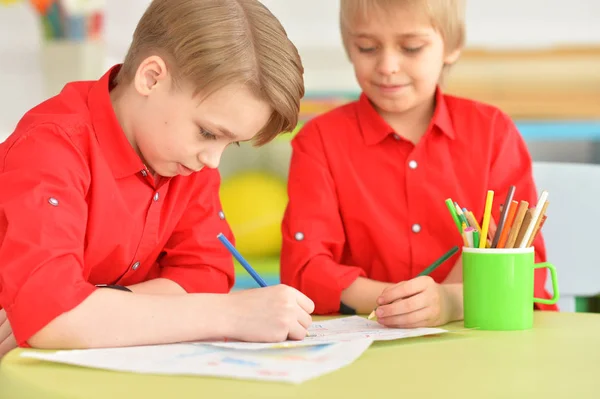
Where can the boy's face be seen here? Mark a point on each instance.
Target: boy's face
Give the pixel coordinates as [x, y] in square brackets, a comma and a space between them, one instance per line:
[176, 133]
[398, 59]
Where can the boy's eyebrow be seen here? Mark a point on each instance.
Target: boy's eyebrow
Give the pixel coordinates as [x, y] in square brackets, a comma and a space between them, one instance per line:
[408, 35]
[226, 132]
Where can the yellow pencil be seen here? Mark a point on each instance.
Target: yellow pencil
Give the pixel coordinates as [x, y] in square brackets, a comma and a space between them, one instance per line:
[486, 217]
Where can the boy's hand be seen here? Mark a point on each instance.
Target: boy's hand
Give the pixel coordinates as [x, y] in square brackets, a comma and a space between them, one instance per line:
[270, 314]
[420, 302]
[7, 339]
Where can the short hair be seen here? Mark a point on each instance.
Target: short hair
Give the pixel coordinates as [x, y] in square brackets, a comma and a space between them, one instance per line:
[446, 16]
[213, 43]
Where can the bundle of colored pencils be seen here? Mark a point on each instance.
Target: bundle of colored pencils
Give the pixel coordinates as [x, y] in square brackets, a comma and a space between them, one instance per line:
[518, 226]
[75, 20]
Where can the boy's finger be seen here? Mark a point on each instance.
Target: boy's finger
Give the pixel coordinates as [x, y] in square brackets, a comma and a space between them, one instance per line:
[297, 332]
[402, 306]
[5, 330]
[7, 345]
[304, 319]
[305, 302]
[403, 290]
[419, 318]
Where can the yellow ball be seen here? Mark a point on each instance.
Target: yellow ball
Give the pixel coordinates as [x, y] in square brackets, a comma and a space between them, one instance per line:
[254, 204]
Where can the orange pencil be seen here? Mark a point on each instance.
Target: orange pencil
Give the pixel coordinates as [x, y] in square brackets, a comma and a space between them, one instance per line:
[41, 6]
[517, 222]
[512, 211]
[503, 215]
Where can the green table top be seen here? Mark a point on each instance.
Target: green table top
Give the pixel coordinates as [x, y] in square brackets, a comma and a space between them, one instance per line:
[558, 358]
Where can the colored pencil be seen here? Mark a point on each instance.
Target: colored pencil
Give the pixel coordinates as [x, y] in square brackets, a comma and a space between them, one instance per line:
[503, 215]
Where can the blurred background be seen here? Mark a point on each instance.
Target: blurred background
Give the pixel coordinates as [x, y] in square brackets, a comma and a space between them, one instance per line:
[538, 60]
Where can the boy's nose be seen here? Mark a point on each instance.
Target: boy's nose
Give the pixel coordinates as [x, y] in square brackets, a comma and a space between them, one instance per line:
[210, 159]
[389, 64]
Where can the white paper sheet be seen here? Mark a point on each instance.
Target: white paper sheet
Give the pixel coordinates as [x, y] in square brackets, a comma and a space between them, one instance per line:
[332, 344]
[291, 365]
[337, 330]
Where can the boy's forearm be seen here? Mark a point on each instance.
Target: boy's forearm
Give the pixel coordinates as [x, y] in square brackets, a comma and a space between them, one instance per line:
[158, 286]
[456, 273]
[362, 294]
[112, 318]
[453, 284]
[454, 298]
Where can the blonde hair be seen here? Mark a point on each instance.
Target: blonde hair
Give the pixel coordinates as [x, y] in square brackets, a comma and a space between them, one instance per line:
[446, 16]
[214, 43]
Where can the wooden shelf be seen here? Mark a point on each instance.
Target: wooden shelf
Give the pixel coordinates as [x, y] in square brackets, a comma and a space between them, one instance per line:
[558, 83]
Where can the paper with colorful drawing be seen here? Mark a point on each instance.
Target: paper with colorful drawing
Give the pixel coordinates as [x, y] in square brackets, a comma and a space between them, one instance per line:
[337, 330]
[291, 365]
[332, 344]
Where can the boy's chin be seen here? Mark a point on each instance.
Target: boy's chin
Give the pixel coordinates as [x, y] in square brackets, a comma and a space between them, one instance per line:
[391, 106]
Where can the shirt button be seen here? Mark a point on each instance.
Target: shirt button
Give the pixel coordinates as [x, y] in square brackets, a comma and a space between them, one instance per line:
[416, 228]
[135, 265]
[396, 137]
[221, 215]
[299, 236]
[413, 164]
[144, 173]
[156, 196]
[53, 201]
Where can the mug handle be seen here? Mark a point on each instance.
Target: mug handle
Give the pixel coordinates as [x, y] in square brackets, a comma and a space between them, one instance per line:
[556, 295]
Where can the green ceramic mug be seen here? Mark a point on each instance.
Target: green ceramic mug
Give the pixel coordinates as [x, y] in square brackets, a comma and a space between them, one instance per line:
[498, 288]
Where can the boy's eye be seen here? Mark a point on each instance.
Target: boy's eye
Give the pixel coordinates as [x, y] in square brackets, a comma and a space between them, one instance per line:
[366, 49]
[206, 134]
[413, 50]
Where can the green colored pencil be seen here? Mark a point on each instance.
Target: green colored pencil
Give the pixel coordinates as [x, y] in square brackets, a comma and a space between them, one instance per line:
[452, 209]
[438, 262]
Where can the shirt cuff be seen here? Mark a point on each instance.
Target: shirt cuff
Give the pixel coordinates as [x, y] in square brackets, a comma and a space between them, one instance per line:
[199, 279]
[40, 302]
[323, 281]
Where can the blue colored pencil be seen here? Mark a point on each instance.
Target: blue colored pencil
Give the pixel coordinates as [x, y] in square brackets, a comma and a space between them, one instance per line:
[241, 259]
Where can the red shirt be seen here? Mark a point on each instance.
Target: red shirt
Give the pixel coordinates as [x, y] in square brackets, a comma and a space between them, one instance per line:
[363, 201]
[79, 208]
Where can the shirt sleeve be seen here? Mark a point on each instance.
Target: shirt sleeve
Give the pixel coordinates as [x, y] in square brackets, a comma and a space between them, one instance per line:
[43, 216]
[512, 165]
[194, 257]
[312, 229]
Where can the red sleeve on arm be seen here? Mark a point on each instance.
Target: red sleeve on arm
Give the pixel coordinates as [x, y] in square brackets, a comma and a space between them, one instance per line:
[512, 165]
[194, 257]
[313, 233]
[43, 217]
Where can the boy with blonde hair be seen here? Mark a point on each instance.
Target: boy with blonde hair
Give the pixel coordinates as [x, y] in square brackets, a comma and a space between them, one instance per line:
[109, 208]
[368, 180]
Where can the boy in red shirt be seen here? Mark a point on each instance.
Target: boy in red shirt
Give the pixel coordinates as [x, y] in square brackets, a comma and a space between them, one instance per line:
[113, 184]
[368, 181]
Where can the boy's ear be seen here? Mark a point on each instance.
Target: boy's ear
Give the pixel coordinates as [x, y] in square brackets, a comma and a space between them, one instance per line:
[151, 72]
[452, 56]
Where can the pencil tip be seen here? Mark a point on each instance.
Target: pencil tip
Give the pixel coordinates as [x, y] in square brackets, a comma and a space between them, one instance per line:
[372, 315]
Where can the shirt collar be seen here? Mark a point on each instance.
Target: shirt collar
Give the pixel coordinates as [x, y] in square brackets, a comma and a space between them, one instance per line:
[374, 128]
[121, 156]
